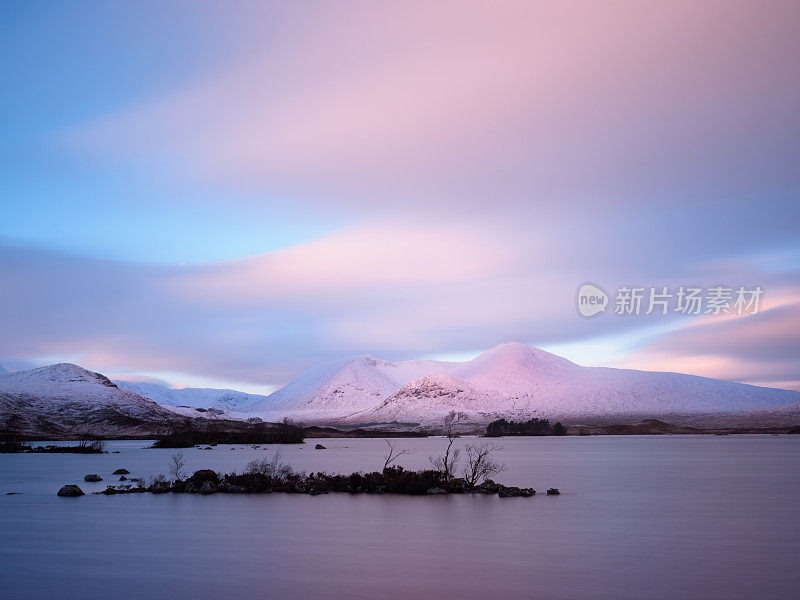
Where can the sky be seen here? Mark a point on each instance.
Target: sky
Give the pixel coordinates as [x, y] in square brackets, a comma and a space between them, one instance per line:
[223, 194]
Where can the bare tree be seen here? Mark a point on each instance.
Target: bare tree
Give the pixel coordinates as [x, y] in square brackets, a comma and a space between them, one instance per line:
[89, 442]
[177, 463]
[446, 463]
[480, 463]
[271, 467]
[393, 454]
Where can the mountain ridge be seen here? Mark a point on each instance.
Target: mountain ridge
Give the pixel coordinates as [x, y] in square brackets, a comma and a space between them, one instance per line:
[511, 380]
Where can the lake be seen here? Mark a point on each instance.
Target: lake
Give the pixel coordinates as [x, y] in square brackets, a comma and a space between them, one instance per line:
[639, 517]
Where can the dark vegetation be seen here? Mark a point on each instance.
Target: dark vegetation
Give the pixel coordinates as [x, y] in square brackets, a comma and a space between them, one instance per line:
[257, 432]
[271, 476]
[83, 447]
[343, 431]
[532, 427]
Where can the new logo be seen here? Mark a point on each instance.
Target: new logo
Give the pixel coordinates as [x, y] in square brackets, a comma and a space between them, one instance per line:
[591, 300]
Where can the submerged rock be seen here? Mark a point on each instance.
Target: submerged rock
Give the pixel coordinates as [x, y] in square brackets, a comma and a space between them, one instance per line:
[70, 490]
[92, 477]
[320, 447]
[123, 478]
[553, 492]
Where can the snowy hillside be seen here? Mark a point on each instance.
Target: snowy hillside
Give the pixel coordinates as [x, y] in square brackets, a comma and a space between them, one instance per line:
[345, 386]
[3, 370]
[513, 381]
[70, 400]
[229, 400]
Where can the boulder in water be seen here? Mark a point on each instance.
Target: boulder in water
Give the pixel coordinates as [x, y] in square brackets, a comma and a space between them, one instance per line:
[70, 490]
[509, 491]
[121, 472]
[92, 477]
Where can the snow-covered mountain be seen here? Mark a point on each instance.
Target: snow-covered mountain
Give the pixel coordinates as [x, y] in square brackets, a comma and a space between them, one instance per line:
[342, 387]
[65, 399]
[512, 381]
[228, 400]
[3, 370]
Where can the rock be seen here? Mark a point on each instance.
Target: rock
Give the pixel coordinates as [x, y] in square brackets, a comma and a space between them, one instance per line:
[92, 477]
[123, 478]
[115, 452]
[509, 492]
[320, 447]
[553, 492]
[457, 485]
[488, 487]
[70, 490]
[436, 491]
[208, 488]
[191, 488]
[161, 487]
[121, 472]
[12, 493]
[203, 475]
[109, 491]
[527, 492]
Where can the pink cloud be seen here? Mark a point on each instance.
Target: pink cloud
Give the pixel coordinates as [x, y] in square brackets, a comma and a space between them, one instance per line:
[513, 99]
[761, 349]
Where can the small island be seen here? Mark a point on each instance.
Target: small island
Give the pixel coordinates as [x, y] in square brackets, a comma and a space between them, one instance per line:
[271, 475]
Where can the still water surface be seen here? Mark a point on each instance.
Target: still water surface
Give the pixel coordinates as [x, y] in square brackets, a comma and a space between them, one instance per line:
[667, 517]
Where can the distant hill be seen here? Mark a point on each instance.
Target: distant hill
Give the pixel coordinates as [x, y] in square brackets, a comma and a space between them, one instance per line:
[228, 400]
[68, 400]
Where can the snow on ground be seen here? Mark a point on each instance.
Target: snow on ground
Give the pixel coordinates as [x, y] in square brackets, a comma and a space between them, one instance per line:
[229, 400]
[512, 380]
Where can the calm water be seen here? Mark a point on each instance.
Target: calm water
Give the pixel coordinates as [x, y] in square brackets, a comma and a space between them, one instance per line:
[639, 517]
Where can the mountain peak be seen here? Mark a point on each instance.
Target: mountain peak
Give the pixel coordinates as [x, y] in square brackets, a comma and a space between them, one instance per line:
[63, 373]
[517, 352]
